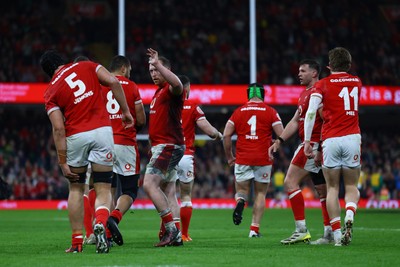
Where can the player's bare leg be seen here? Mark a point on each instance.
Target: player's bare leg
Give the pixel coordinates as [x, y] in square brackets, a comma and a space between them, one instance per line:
[327, 237]
[75, 214]
[242, 193]
[293, 178]
[352, 195]
[332, 177]
[258, 208]
[170, 190]
[129, 188]
[102, 185]
[151, 185]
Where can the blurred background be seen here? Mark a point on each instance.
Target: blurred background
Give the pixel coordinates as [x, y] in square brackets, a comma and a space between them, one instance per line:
[208, 41]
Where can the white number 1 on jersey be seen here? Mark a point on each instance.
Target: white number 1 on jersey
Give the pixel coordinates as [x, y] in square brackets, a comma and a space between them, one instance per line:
[252, 122]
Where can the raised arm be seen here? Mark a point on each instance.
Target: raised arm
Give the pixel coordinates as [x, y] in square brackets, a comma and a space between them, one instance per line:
[175, 87]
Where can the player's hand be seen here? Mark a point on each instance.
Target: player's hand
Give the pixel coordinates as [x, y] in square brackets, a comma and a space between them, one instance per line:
[273, 149]
[231, 161]
[153, 56]
[72, 177]
[308, 151]
[318, 158]
[218, 136]
[127, 120]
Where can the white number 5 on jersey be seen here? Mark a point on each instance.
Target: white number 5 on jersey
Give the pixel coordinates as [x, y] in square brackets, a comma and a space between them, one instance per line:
[73, 84]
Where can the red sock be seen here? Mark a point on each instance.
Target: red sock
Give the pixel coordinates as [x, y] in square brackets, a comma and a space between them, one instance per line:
[297, 202]
[117, 214]
[88, 216]
[335, 223]
[167, 218]
[186, 215]
[177, 223]
[325, 214]
[162, 230]
[77, 239]
[101, 215]
[255, 227]
[92, 198]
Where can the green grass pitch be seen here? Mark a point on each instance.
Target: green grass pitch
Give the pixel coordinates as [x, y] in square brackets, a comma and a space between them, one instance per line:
[39, 238]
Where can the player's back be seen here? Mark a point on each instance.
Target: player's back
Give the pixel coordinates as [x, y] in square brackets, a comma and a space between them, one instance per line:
[191, 112]
[254, 123]
[340, 93]
[76, 90]
[122, 136]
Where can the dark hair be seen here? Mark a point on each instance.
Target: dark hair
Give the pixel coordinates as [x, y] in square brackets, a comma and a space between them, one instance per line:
[81, 58]
[255, 90]
[50, 61]
[166, 63]
[313, 64]
[118, 62]
[184, 80]
[339, 59]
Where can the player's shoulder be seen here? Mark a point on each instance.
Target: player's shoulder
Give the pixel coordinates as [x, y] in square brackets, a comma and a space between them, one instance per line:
[86, 64]
[125, 82]
[122, 79]
[190, 104]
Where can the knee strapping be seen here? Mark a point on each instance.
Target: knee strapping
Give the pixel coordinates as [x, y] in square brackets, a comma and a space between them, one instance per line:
[130, 185]
[81, 180]
[102, 177]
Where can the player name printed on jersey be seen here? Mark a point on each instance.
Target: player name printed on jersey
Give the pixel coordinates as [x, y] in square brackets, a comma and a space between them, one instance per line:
[80, 98]
[252, 137]
[115, 116]
[253, 108]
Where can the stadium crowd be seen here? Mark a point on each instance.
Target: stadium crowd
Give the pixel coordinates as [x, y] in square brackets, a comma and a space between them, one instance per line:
[209, 53]
[28, 161]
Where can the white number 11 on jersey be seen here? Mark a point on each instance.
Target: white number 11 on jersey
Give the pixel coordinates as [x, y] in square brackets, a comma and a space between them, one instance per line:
[346, 97]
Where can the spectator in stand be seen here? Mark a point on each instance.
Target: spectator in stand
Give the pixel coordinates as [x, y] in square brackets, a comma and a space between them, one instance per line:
[219, 43]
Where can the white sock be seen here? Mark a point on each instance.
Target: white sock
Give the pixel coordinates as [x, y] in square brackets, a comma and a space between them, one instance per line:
[301, 226]
[337, 235]
[349, 212]
[327, 230]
